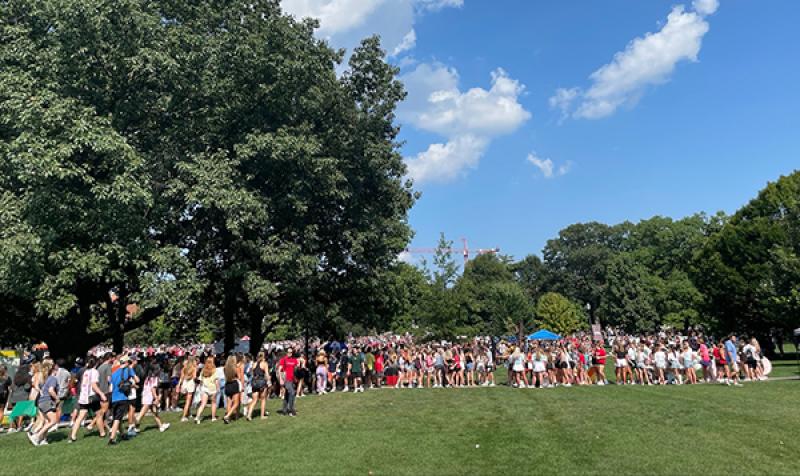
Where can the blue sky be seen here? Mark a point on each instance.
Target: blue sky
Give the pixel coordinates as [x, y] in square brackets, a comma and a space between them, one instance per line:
[526, 116]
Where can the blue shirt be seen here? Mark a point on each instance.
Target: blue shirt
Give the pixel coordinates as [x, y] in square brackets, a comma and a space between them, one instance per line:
[121, 374]
[44, 395]
[730, 348]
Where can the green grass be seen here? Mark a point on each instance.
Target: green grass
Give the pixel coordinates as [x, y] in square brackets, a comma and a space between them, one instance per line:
[711, 429]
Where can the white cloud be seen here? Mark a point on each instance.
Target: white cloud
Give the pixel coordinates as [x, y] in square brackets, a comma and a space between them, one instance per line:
[439, 4]
[705, 7]
[335, 16]
[408, 43]
[547, 167]
[563, 100]
[446, 162]
[468, 119]
[646, 61]
[344, 23]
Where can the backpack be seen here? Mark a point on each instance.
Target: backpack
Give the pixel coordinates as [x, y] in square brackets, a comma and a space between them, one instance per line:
[125, 385]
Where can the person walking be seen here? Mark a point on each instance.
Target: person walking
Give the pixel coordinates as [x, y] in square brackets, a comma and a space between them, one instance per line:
[90, 396]
[286, 368]
[123, 379]
[209, 381]
[259, 385]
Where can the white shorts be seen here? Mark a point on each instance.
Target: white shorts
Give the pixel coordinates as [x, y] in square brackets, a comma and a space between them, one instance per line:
[620, 363]
[188, 386]
[539, 367]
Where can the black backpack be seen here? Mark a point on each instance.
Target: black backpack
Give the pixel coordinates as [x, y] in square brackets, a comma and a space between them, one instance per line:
[125, 385]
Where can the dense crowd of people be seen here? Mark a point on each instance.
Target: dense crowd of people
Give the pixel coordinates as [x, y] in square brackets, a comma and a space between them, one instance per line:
[104, 391]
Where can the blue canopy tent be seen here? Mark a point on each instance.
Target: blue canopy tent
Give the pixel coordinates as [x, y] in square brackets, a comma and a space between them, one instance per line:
[544, 334]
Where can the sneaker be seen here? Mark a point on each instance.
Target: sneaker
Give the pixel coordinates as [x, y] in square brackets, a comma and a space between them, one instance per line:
[32, 439]
[737, 384]
[346, 389]
[491, 384]
[112, 442]
[197, 421]
[184, 420]
[43, 442]
[164, 427]
[213, 420]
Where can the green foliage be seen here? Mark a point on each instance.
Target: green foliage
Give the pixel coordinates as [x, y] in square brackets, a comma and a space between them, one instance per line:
[190, 152]
[556, 313]
[748, 271]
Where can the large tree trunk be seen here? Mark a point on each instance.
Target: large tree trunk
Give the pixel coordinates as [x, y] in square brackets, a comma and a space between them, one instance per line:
[228, 314]
[256, 330]
[118, 330]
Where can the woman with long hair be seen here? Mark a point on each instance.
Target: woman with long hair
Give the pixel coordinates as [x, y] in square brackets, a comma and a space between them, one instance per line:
[300, 374]
[517, 367]
[46, 403]
[321, 372]
[539, 367]
[259, 384]
[89, 397]
[233, 386]
[36, 383]
[188, 385]
[209, 382]
[151, 398]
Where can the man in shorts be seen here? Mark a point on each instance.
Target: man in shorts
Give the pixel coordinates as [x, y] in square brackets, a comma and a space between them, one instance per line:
[104, 382]
[732, 357]
[121, 377]
[356, 369]
[62, 376]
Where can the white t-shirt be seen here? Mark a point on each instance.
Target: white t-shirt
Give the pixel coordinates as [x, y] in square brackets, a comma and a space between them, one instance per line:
[89, 377]
[749, 349]
[661, 358]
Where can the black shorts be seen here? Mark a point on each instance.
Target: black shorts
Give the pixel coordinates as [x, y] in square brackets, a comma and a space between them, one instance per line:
[92, 405]
[355, 374]
[119, 410]
[47, 407]
[752, 364]
[563, 365]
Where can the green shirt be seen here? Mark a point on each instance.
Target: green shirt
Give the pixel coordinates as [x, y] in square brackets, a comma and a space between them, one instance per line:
[370, 359]
[358, 363]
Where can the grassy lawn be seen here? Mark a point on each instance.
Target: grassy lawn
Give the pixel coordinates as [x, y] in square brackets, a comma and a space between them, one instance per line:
[625, 430]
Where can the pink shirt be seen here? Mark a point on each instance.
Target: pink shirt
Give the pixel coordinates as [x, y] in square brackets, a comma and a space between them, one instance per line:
[89, 377]
[704, 352]
[147, 391]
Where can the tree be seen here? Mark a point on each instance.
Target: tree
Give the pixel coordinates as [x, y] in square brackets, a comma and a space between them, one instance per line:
[532, 275]
[748, 271]
[577, 260]
[206, 149]
[558, 314]
[629, 300]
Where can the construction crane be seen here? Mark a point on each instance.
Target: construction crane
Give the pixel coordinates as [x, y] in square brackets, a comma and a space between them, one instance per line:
[465, 251]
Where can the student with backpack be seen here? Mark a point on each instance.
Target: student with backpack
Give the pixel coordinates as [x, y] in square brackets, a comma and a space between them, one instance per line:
[122, 381]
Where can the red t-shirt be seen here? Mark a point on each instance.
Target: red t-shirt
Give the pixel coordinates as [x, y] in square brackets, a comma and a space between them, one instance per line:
[719, 355]
[600, 355]
[379, 363]
[288, 364]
